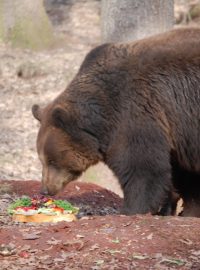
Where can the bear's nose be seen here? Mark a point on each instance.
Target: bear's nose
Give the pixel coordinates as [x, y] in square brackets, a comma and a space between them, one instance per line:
[44, 191]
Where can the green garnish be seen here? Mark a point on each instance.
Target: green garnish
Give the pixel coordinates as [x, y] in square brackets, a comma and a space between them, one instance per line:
[65, 205]
[20, 202]
[41, 206]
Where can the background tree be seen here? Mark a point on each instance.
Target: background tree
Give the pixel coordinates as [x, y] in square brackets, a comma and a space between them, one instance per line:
[124, 20]
[25, 23]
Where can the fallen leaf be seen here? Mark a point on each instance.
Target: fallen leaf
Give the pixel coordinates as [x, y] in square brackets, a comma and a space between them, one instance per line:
[65, 255]
[53, 241]
[99, 262]
[77, 244]
[33, 250]
[116, 241]
[158, 255]
[49, 248]
[196, 253]
[173, 261]
[113, 251]
[25, 247]
[61, 226]
[107, 230]
[80, 236]
[140, 257]
[127, 224]
[59, 260]
[30, 236]
[84, 224]
[150, 236]
[77, 188]
[45, 257]
[186, 241]
[106, 225]
[37, 232]
[48, 261]
[85, 217]
[93, 247]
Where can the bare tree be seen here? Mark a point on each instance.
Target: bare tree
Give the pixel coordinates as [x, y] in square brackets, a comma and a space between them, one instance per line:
[25, 23]
[124, 20]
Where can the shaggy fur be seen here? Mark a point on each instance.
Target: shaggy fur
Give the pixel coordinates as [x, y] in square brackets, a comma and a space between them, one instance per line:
[135, 106]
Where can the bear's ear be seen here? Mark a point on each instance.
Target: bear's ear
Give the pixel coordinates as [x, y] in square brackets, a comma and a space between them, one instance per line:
[60, 118]
[37, 112]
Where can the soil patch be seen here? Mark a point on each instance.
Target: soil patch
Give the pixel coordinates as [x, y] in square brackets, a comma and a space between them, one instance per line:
[95, 241]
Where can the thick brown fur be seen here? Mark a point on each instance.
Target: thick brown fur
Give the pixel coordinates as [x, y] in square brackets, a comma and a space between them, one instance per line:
[135, 106]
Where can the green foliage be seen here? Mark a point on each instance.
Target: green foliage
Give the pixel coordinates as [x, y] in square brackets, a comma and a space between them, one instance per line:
[65, 205]
[20, 202]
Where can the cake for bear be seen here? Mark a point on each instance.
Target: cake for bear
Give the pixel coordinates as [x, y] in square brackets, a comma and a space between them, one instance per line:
[42, 209]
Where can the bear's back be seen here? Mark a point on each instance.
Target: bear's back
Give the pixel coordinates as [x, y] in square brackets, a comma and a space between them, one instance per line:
[174, 45]
[177, 44]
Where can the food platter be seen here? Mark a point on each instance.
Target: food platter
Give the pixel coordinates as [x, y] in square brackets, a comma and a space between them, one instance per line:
[42, 209]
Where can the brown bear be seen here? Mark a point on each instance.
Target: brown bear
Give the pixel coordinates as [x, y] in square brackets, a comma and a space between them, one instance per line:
[136, 107]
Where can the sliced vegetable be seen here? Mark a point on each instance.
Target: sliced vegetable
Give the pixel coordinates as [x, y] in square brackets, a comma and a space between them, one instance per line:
[46, 211]
[49, 202]
[58, 209]
[28, 206]
[25, 212]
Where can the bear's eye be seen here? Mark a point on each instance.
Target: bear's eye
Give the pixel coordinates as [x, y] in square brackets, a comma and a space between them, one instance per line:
[74, 172]
[51, 162]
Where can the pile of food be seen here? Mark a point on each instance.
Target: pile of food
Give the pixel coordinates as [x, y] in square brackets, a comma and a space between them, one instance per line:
[42, 209]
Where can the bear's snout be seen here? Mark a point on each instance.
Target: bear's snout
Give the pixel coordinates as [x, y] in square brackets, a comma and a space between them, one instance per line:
[51, 189]
[48, 192]
[44, 191]
[54, 181]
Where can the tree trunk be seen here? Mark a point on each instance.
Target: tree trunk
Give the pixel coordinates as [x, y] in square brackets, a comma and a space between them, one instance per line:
[124, 20]
[24, 23]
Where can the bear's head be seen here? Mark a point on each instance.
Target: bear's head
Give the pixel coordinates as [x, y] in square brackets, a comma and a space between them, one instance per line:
[64, 147]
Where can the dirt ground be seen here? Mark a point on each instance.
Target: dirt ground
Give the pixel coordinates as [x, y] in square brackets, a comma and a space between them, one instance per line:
[100, 239]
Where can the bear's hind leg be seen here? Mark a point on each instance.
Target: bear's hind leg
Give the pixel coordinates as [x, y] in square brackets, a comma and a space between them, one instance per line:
[190, 193]
[170, 205]
[187, 185]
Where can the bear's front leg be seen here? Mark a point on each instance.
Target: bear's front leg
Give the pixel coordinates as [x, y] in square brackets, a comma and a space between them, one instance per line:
[148, 192]
[144, 171]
